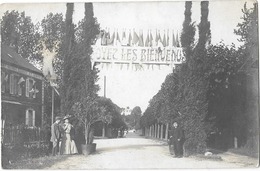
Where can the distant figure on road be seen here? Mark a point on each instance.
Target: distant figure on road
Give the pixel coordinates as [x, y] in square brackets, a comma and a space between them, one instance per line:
[55, 135]
[68, 145]
[176, 140]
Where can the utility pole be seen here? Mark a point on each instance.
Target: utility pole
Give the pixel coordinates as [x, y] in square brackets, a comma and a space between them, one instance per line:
[104, 86]
[103, 130]
[52, 105]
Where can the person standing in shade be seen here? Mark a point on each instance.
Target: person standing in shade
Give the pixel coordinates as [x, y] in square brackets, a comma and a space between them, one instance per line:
[170, 142]
[55, 136]
[68, 145]
[177, 139]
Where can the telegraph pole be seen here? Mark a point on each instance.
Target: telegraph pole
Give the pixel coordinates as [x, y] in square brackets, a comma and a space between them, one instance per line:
[52, 105]
[103, 130]
[104, 86]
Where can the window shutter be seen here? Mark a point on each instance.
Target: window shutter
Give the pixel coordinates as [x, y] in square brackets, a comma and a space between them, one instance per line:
[27, 88]
[34, 93]
[33, 118]
[3, 81]
[19, 90]
[27, 117]
[11, 84]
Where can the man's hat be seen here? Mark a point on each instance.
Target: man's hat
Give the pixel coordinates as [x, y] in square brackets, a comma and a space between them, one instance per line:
[57, 118]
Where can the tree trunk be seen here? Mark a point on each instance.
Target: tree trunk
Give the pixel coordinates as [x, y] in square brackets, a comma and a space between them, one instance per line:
[158, 130]
[166, 131]
[162, 131]
[103, 130]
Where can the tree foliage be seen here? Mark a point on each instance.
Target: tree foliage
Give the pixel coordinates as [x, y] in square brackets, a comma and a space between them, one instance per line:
[18, 31]
[82, 77]
[182, 96]
[133, 120]
[68, 49]
[188, 31]
[209, 94]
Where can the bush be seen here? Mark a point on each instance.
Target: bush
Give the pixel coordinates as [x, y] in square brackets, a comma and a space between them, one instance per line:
[11, 154]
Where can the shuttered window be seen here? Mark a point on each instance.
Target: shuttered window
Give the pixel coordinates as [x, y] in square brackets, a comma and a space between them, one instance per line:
[12, 84]
[30, 117]
[19, 90]
[34, 93]
[3, 82]
[27, 88]
[30, 88]
[15, 84]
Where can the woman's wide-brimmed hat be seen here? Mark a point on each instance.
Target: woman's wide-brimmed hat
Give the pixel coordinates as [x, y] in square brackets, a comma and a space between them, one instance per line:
[67, 117]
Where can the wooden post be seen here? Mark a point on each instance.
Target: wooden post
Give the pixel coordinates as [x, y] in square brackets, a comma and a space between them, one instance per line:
[42, 105]
[52, 105]
[39, 129]
[162, 131]
[235, 142]
[166, 131]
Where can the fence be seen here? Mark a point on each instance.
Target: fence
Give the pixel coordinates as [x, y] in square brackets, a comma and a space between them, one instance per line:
[23, 142]
[17, 135]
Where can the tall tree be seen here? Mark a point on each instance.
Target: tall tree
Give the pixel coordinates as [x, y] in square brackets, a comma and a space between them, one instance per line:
[193, 88]
[53, 29]
[188, 31]
[85, 75]
[204, 26]
[248, 32]
[18, 31]
[67, 48]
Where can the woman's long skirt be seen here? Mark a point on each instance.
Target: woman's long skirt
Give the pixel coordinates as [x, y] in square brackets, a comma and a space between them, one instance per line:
[68, 145]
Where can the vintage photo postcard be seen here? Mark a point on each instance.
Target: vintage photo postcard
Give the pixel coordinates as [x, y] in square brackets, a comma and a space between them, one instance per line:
[129, 85]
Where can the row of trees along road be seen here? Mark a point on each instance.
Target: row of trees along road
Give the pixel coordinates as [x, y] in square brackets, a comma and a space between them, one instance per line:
[214, 94]
[133, 119]
[76, 78]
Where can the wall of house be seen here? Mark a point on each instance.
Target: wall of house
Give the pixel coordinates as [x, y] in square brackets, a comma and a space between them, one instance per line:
[15, 103]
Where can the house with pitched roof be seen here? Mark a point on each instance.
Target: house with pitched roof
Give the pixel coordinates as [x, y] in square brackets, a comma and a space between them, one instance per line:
[22, 90]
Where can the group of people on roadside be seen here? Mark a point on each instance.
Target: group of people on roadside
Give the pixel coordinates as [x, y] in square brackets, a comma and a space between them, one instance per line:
[176, 140]
[63, 133]
[62, 137]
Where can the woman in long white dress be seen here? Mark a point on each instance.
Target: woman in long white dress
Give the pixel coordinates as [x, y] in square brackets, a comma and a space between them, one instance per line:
[68, 145]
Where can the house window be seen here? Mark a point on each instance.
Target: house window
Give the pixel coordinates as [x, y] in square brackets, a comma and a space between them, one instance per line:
[3, 81]
[30, 88]
[15, 84]
[14, 78]
[30, 118]
[19, 89]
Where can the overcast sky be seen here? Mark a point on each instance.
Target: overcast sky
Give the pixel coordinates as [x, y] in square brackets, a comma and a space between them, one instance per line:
[136, 88]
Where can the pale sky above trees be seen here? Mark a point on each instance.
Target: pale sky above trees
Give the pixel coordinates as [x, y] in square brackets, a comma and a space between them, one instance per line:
[136, 88]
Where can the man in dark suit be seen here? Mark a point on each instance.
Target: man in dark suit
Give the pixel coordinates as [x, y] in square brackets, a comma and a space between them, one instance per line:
[177, 139]
[55, 135]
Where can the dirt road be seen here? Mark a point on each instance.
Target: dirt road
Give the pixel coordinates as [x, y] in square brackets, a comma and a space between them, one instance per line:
[135, 152]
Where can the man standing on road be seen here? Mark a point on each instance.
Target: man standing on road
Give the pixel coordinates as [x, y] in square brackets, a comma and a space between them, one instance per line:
[177, 139]
[55, 135]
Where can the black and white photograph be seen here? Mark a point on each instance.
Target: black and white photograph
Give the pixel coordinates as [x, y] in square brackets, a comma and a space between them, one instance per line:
[108, 85]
